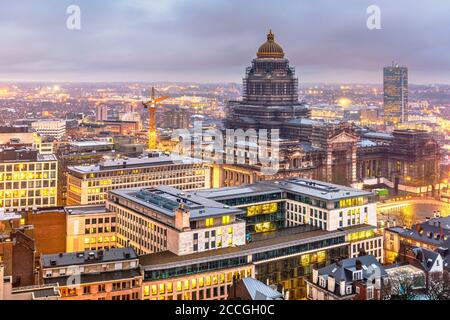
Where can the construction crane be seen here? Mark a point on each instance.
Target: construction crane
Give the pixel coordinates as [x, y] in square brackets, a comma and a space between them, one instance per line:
[151, 106]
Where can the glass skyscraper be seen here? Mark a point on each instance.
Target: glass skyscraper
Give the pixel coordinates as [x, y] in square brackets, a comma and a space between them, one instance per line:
[395, 81]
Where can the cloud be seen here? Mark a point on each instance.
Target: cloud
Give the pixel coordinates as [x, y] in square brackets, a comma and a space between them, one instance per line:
[208, 41]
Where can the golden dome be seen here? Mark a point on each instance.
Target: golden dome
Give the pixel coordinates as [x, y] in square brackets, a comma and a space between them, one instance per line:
[270, 49]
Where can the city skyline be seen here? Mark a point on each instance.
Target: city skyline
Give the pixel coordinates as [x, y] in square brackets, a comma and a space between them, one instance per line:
[194, 41]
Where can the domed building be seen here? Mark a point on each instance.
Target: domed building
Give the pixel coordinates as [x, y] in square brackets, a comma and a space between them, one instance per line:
[270, 92]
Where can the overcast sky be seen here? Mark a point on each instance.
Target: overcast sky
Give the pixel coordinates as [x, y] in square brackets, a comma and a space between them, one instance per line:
[214, 40]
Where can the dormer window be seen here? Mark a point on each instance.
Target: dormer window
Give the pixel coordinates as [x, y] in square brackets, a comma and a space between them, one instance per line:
[348, 290]
[357, 275]
[322, 282]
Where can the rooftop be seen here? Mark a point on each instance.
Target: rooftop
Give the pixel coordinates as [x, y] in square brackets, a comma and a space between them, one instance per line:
[96, 277]
[87, 257]
[343, 270]
[93, 143]
[92, 209]
[313, 188]
[319, 189]
[166, 200]
[260, 291]
[142, 162]
[278, 240]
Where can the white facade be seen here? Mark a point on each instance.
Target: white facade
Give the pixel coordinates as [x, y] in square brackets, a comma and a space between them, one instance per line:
[51, 128]
[298, 213]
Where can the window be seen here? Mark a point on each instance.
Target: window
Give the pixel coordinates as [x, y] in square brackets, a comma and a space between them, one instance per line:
[369, 293]
[209, 222]
[225, 219]
[348, 290]
[357, 275]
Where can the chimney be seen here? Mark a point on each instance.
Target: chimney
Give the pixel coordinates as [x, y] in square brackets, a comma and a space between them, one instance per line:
[358, 264]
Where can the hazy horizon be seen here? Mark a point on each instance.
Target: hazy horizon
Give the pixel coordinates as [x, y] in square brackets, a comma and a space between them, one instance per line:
[202, 41]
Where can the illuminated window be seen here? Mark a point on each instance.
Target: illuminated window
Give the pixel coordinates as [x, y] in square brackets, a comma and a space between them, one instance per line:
[225, 219]
[208, 280]
[209, 222]
[200, 282]
[146, 291]
[169, 287]
[230, 230]
[86, 240]
[230, 242]
[194, 283]
[154, 289]
[222, 278]
[214, 279]
[186, 285]
[179, 286]
[162, 288]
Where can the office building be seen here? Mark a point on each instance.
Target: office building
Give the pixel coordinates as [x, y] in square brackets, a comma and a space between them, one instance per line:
[90, 228]
[51, 128]
[166, 219]
[28, 180]
[194, 243]
[395, 83]
[90, 184]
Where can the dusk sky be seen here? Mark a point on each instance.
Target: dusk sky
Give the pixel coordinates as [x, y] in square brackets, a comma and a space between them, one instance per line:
[214, 40]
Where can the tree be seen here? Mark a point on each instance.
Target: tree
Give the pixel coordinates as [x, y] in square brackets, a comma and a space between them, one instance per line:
[403, 286]
[438, 287]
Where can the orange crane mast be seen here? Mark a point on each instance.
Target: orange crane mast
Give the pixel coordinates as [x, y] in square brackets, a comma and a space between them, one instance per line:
[151, 106]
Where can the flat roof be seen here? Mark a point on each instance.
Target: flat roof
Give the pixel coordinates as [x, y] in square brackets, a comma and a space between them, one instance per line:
[313, 188]
[92, 143]
[87, 257]
[126, 163]
[165, 199]
[318, 189]
[279, 240]
[240, 191]
[91, 209]
[96, 277]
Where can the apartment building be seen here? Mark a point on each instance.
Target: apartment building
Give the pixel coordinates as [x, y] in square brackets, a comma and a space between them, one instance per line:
[90, 184]
[359, 278]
